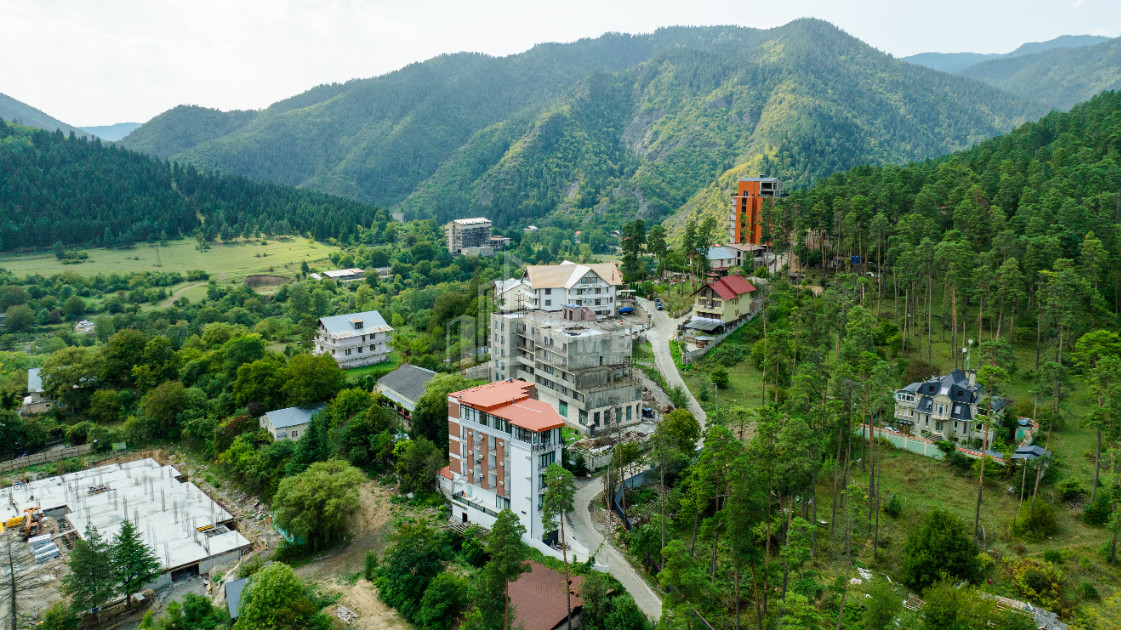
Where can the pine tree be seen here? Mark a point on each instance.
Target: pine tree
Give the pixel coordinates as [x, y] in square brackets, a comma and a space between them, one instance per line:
[92, 580]
[134, 563]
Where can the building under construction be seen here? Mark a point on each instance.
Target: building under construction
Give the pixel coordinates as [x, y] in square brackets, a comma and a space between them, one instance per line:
[188, 531]
[580, 364]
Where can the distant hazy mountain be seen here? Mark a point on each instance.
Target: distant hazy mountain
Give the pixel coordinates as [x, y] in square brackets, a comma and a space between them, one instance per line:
[956, 62]
[599, 130]
[12, 110]
[112, 132]
[1057, 78]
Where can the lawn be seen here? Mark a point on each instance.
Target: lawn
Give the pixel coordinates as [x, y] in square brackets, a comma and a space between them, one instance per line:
[231, 262]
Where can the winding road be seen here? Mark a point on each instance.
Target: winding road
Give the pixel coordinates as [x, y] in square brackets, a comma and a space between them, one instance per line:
[580, 519]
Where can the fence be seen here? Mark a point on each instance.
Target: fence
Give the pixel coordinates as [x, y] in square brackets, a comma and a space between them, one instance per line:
[46, 456]
[928, 448]
[690, 356]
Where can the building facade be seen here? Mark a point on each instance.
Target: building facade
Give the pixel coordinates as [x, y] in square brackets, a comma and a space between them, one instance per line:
[500, 441]
[354, 340]
[725, 300]
[290, 423]
[469, 237]
[580, 364]
[402, 388]
[745, 219]
[594, 286]
[36, 400]
[944, 408]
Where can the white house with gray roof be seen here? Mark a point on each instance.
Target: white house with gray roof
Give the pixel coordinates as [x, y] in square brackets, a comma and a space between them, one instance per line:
[354, 340]
[945, 408]
[289, 423]
[403, 387]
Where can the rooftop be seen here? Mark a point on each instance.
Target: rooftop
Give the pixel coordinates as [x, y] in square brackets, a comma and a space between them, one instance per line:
[758, 179]
[720, 252]
[567, 274]
[730, 287]
[539, 598]
[342, 273]
[511, 400]
[474, 221]
[405, 385]
[354, 324]
[168, 512]
[233, 596]
[292, 416]
[34, 381]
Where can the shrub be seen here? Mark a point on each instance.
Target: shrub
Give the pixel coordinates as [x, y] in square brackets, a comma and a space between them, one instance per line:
[894, 506]
[1038, 581]
[1069, 490]
[985, 561]
[1086, 590]
[940, 547]
[1054, 556]
[1097, 512]
[1036, 524]
[720, 378]
[369, 570]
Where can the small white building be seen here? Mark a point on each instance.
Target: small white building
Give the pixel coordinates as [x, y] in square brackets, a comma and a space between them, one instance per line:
[354, 340]
[36, 400]
[512, 295]
[500, 441]
[290, 423]
[340, 275]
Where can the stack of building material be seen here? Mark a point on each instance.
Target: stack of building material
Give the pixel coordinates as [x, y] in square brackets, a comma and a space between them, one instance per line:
[44, 548]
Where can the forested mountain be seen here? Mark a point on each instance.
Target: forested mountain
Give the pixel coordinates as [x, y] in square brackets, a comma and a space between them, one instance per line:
[598, 129]
[80, 192]
[112, 132]
[24, 114]
[956, 62]
[1024, 209]
[1056, 78]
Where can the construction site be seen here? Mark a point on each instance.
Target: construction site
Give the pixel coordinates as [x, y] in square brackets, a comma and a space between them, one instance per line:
[189, 532]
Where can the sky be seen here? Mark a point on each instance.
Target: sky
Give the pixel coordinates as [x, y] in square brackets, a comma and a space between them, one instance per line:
[98, 62]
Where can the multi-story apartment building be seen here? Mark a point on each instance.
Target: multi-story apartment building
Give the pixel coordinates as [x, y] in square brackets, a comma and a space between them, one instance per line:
[745, 219]
[469, 237]
[945, 408]
[594, 286]
[354, 340]
[726, 300]
[580, 364]
[500, 441]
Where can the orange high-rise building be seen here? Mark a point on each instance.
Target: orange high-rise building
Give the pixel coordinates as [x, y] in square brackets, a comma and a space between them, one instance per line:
[747, 208]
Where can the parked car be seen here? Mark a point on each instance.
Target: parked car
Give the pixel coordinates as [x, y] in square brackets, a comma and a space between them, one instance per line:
[659, 306]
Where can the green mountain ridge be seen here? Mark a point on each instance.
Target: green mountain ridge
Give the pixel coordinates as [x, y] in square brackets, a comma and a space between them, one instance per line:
[19, 112]
[1056, 78]
[957, 62]
[597, 130]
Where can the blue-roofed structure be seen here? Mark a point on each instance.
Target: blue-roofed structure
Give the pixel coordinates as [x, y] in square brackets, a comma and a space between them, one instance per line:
[233, 595]
[355, 339]
[289, 423]
[945, 408]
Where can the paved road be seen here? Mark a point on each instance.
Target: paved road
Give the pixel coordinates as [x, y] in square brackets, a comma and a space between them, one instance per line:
[663, 330]
[580, 522]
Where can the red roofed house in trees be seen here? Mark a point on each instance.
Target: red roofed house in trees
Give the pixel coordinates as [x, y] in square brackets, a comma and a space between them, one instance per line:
[726, 300]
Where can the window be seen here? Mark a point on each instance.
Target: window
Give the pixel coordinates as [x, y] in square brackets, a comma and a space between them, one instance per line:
[595, 418]
[295, 433]
[545, 459]
[348, 351]
[548, 291]
[628, 414]
[564, 408]
[548, 302]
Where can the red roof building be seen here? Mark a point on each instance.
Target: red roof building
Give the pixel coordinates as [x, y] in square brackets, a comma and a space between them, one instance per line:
[725, 300]
[539, 598]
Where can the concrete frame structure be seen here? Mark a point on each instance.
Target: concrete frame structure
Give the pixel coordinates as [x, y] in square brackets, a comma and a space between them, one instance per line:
[500, 441]
[188, 531]
[746, 217]
[594, 286]
[469, 237]
[581, 365]
[355, 339]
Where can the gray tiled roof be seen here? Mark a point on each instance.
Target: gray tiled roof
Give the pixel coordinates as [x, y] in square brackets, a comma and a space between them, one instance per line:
[405, 385]
[233, 596]
[340, 326]
[292, 416]
[34, 381]
[720, 253]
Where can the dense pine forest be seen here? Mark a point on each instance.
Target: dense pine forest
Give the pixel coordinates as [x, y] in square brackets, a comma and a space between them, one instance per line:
[79, 192]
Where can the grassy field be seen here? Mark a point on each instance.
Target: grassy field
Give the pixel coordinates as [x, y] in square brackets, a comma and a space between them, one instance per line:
[232, 262]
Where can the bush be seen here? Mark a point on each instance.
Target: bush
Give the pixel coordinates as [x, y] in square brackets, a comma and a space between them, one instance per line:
[369, 570]
[1086, 590]
[1036, 524]
[1054, 556]
[1097, 512]
[1038, 581]
[985, 561]
[1069, 490]
[894, 506]
[940, 548]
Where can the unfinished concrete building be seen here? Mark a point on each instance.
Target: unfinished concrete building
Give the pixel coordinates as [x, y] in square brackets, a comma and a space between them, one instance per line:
[188, 531]
[581, 365]
[469, 237]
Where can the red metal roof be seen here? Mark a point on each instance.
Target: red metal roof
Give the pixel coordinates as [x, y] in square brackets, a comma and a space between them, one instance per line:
[539, 600]
[446, 471]
[513, 401]
[730, 287]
